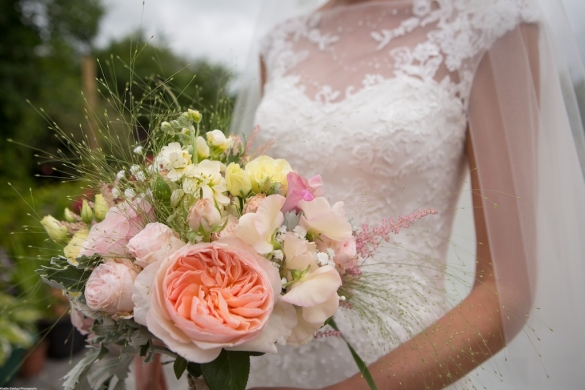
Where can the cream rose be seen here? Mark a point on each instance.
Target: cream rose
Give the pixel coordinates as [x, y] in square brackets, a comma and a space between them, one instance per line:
[266, 171]
[109, 287]
[238, 181]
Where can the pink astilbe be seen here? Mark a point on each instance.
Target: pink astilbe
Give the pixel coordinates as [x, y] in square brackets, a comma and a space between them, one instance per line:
[369, 238]
[250, 152]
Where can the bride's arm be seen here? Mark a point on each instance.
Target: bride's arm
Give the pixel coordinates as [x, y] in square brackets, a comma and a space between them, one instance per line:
[474, 330]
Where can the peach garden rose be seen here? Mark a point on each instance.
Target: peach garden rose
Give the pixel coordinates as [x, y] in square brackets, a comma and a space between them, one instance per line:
[210, 296]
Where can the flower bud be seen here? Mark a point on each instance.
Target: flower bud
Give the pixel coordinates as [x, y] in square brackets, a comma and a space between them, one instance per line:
[69, 215]
[72, 249]
[238, 181]
[203, 215]
[54, 228]
[167, 128]
[195, 115]
[253, 203]
[218, 140]
[101, 207]
[86, 212]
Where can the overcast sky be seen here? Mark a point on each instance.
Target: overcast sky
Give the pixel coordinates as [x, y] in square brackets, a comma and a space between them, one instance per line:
[222, 30]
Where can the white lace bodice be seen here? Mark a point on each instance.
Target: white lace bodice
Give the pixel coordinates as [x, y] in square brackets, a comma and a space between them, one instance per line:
[373, 97]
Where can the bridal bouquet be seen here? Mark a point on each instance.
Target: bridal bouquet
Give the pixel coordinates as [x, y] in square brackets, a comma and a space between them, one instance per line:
[207, 251]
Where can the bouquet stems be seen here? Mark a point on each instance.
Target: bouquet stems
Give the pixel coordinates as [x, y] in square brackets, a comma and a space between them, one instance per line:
[196, 383]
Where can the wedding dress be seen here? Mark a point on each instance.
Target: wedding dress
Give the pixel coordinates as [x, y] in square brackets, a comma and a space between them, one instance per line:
[375, 98]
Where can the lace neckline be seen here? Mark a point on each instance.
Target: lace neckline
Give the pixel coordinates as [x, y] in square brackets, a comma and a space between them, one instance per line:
[366, 4]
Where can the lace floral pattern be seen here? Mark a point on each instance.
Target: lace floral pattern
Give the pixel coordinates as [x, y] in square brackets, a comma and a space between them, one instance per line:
[373, 98]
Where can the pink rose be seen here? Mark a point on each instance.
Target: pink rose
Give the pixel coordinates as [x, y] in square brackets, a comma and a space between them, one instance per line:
[228, 230]
[300, 188]
[154, 243]
[253, 203]
[82, 323]
[109, 237]
[109, 287]
[204, 215]
[210, 296]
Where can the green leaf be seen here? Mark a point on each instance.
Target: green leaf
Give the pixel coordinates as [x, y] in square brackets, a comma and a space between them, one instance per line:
[62, 275]
[358, 360]
[179, 366]
[145, 348]
[89, 262]
[78, 374]
[194, 369]
[229, 371]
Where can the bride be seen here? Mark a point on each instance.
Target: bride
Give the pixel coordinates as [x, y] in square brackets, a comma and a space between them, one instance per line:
[390, 101]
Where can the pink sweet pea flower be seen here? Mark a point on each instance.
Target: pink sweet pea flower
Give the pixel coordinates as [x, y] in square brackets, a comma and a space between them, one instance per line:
[320, 218]
[314, 295]
[299, 189]
[257, 229]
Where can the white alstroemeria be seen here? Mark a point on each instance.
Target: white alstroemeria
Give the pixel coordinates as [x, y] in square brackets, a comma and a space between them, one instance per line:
[256, 229]
[135, 168]
[138, 150]
[129, 193]
[121, 174]
[204, 180]
[115, 193]
[140, 176]
[173, 160]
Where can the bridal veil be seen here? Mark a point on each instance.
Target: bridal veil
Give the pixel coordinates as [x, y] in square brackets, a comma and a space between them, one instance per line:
[529, 146]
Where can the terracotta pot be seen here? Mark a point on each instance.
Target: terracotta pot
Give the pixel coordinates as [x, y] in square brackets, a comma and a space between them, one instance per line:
[34, 360]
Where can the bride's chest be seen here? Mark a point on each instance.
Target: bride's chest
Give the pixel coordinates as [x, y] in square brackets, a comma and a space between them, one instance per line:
[394, 129]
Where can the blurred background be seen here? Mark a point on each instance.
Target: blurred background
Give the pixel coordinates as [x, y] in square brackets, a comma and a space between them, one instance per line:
[50, 52]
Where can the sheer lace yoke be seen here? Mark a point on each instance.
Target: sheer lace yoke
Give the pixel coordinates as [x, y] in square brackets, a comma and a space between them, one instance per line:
[335, 53]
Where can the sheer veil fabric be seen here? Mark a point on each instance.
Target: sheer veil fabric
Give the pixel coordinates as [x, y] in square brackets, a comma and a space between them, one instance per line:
[404, 88]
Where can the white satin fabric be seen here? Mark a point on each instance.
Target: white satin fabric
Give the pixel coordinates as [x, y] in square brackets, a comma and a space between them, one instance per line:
[378, 98]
